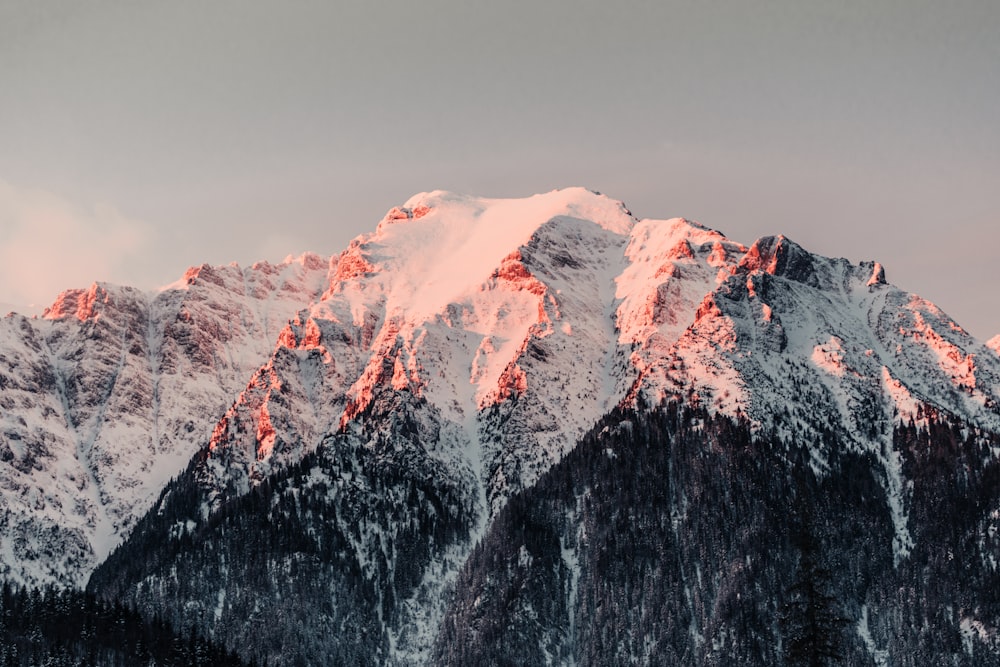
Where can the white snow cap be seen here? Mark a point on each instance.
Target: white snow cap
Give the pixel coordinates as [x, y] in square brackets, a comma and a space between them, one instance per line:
[440, 245]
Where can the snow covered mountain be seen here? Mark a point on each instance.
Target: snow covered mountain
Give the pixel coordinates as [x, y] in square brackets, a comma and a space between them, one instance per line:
[463, 349]
[520, 322]
[111, 392]
[359, 425]
[455, 299]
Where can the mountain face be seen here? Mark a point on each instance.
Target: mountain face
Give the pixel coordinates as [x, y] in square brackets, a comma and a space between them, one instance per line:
[112, 391]
[533, 431]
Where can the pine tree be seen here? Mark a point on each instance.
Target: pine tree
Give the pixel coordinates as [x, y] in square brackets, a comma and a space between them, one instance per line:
[810, 617]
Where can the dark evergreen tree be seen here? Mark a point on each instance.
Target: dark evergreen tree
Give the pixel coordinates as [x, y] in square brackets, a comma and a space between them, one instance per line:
[812, 623]
[68, 627]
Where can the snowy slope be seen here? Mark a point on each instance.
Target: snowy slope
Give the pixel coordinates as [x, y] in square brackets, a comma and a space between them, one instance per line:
[457, 301]
[110, 393]
[805, 345]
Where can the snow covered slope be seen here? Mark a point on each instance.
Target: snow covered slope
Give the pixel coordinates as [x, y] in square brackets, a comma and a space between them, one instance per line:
[110, 393]
[490, 311]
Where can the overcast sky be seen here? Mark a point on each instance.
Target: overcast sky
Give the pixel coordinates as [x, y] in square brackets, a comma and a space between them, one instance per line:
[137, 138]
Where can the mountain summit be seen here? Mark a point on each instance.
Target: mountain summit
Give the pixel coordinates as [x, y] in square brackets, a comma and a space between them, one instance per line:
[366, 421]
[994, 344]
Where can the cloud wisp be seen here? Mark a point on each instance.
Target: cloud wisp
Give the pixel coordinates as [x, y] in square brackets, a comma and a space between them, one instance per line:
[49, 243]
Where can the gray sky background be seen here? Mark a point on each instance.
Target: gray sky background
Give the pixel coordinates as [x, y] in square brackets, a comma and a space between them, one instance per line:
[137, 138]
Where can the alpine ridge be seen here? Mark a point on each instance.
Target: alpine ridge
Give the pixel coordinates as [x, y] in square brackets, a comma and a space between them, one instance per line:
[568, 289]
[112, 390]
[425, 442]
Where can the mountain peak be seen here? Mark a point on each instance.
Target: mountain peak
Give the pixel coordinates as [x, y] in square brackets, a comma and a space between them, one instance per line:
[780, 256]
[577, 202]
[441, 246]
[84, 304]
[994, 344]
[878, 275]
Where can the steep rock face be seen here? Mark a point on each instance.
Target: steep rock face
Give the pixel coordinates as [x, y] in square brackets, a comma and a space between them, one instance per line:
[111, 392]
[463, 349]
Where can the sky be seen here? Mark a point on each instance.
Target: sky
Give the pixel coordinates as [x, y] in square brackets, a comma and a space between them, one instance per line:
[139, 138]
